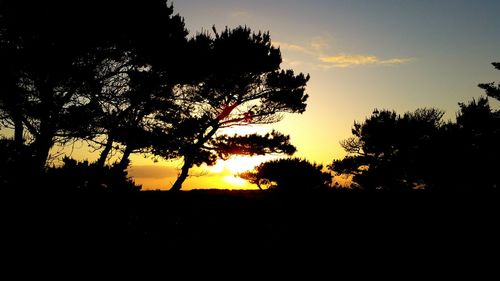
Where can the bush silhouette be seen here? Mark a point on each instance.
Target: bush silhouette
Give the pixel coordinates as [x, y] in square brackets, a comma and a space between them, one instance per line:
[74, 175]
[289, 175]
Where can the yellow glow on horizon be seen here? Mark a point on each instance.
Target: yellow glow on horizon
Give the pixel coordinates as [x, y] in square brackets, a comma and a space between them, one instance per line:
[223, 175]
[235, 180]
[239, 164]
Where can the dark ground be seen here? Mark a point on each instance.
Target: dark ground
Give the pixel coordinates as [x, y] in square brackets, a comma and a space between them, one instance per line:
[349, 226]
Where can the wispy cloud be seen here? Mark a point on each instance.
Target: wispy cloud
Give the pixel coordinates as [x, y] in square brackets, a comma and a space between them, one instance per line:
[347, 60]
[314, 47]
[240, 14]
[293, 47]
[316, 54]
[320, 43]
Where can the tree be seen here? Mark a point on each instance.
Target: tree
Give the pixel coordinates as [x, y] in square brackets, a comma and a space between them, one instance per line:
[490, 88]
[393, 152]
[473, 149]
[59, 74]
[134, 112]
[389, 151]
[41, 84]
[135, 91]
[238, 83]
[289, 175]
[477, 135]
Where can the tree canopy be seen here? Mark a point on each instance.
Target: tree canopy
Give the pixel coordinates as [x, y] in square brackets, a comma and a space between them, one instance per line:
[289, 175]
[61, 76]
[239, 82]
[418, 150]
[387, 150]
[125, 75]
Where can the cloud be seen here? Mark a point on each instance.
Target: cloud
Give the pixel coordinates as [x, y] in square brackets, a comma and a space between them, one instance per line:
[346, 60]
[315, 53]
[240, 14]
[314, 47]
[293, 62]
[398, 61]
[320, 43]
[293, 47]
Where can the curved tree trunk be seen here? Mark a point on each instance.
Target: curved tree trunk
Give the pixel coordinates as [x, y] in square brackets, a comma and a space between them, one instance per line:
[45, 139]
[105, 152]
[188, 158]
[126, 154]
[183, 175]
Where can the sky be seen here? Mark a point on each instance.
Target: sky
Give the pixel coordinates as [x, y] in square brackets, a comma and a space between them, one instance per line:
[361, 55]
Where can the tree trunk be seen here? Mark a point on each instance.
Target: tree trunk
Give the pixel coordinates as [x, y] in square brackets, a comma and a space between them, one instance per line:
[45, 139]
[184, 174]
[18, 131]
[42, 146]
[188, 159]
[105, 152]
[126, 154]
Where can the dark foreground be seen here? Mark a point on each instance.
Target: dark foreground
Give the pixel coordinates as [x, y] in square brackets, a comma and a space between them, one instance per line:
[201, 223]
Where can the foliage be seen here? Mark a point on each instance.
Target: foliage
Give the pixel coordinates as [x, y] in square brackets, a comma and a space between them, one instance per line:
[418, 150]
[121, 75]
[387, 150]
[491, 89]
[289, 175]
[474, 152]
[251, 145]
[85, 176]
[80, 79]
[238, 83]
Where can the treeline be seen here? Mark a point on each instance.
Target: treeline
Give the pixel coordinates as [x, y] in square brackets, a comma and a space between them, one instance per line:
[401, 152]
[127, 77]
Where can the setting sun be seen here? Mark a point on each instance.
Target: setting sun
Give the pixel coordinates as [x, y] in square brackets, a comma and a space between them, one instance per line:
[235, 180]
[239, 164]
[235, 165]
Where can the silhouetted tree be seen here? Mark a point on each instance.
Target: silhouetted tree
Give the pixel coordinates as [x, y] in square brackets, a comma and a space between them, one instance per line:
[418, 150]
[134, 112]
[41, 55]
[471, 150]
[490, 88]
[238, 83]
[476, 136]
[289, 175]
[63, 62]
[135, 91]
[388, 151]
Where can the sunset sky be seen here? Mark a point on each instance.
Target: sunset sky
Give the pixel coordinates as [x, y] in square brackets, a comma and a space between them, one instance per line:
[361, 55]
